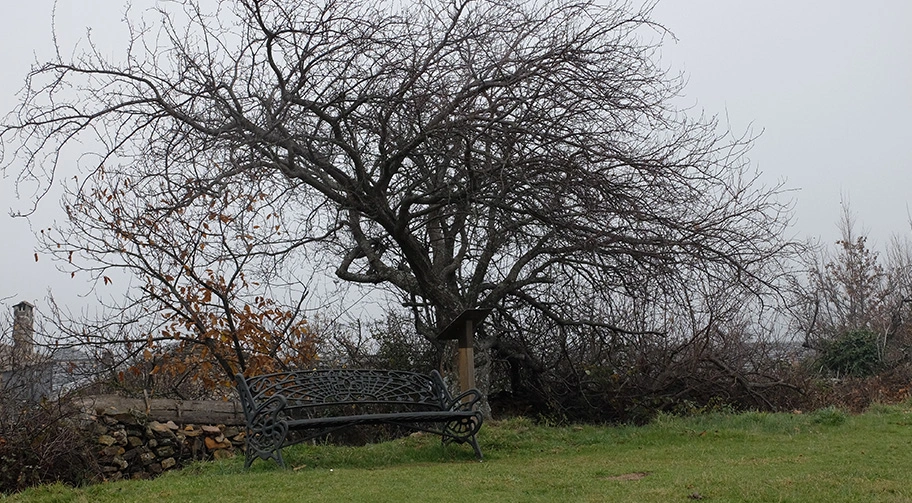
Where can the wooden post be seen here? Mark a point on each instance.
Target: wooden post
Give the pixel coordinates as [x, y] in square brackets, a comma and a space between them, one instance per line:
[463, 330]
[466, 357]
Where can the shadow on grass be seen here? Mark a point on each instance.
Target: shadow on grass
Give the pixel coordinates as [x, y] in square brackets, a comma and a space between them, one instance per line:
[417, 448]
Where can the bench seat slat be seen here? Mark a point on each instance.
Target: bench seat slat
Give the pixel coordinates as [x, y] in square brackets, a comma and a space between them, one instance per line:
[418, 417]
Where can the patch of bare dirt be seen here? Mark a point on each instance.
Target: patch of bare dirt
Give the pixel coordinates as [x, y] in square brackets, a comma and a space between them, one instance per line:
[629, 476]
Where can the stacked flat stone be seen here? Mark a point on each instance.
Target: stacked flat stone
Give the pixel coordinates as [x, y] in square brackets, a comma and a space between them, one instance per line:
[129, 445]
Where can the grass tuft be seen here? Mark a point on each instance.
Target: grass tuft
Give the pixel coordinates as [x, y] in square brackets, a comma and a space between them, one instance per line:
[830, 416]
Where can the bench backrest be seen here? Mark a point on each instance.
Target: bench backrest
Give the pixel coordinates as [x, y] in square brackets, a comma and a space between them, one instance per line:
[324, 388]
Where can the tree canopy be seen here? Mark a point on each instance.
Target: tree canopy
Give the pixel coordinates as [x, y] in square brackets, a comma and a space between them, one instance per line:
[524, 156]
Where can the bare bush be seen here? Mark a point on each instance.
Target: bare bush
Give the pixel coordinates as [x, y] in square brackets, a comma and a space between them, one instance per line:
[43, 443]
[853, 308]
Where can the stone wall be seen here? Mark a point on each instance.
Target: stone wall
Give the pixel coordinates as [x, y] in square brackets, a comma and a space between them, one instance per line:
[131, 445]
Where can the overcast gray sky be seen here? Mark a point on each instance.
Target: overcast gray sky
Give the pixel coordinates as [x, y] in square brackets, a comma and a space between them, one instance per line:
[829, 85]
[827, 82]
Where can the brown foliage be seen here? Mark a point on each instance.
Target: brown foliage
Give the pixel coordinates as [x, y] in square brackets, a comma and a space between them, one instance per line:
[208, 270]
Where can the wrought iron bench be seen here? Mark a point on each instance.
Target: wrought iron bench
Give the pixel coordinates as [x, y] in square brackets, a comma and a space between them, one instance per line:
[290, 407]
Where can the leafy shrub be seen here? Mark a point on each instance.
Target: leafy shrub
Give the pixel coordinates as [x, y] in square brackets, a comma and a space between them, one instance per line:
[853, 354]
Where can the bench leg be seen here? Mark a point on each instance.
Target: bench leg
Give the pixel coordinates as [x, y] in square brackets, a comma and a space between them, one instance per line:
[474, 444]
[251, 454]
[445, 439]
[266, 443]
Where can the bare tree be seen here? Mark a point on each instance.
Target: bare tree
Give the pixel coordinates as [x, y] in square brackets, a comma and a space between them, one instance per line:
[853, 289]
[524, 156]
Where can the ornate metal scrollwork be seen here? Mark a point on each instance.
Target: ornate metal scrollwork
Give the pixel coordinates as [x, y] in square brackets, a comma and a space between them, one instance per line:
[317, 402]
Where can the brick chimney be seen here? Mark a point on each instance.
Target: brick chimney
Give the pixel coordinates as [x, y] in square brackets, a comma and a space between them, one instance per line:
[23, 332]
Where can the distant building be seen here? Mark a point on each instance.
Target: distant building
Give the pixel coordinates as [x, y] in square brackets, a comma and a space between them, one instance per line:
[23, 332]
[26, 375]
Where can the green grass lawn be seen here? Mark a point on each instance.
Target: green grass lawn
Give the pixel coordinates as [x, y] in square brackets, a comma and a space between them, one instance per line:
[824, 456]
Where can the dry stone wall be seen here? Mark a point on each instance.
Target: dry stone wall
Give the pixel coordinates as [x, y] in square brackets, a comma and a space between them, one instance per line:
[131, 445]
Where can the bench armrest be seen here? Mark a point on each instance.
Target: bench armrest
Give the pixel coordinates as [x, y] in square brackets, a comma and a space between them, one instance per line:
[465, 400]
[268, 410]
[255, 413]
